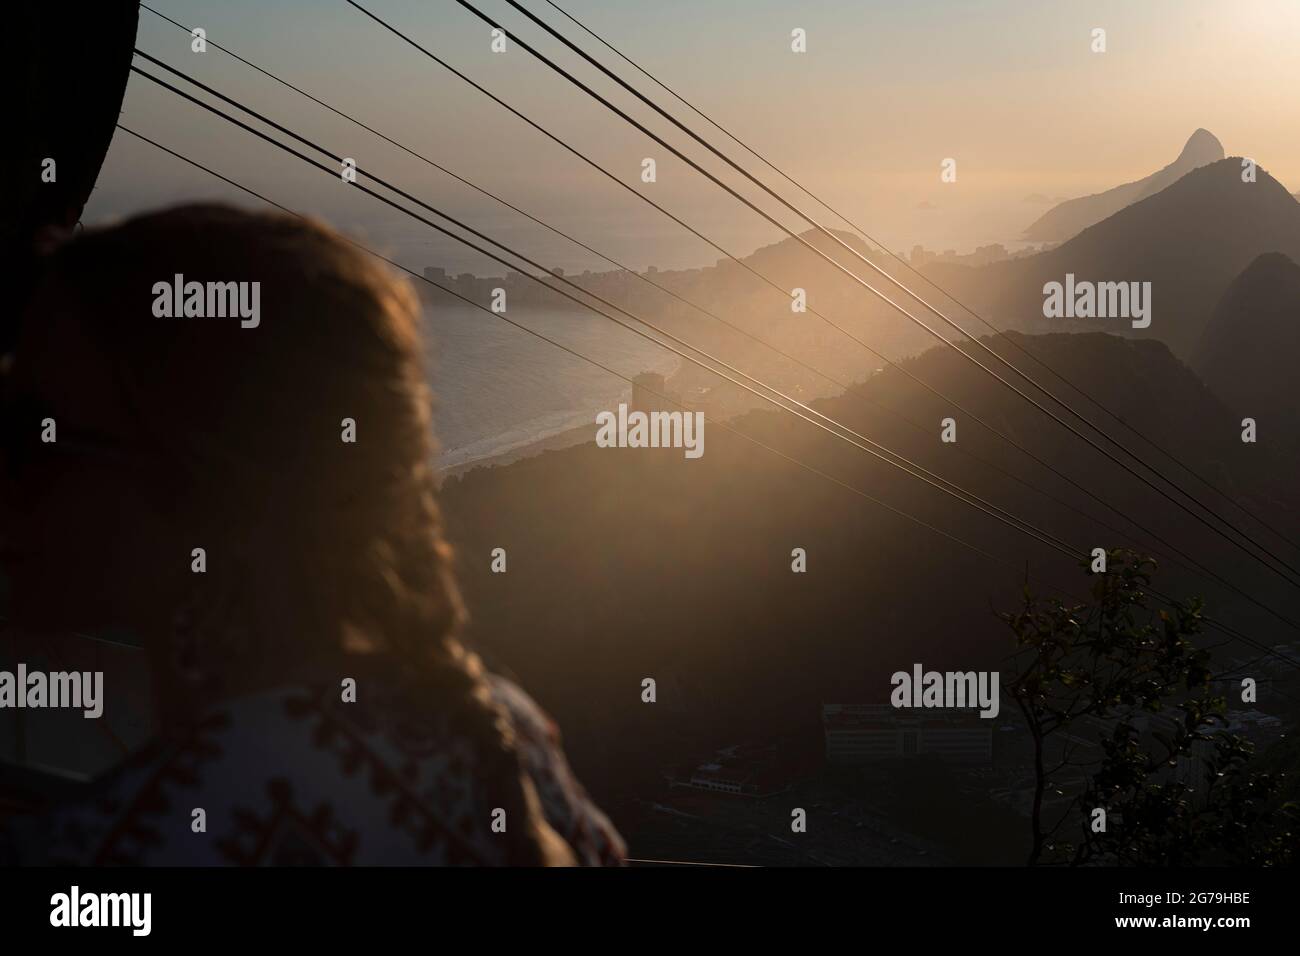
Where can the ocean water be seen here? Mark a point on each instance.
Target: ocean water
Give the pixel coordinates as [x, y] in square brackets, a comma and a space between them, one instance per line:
[498, 388]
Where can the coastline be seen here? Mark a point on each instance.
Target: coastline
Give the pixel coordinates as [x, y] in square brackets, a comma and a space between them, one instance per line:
[567, 438]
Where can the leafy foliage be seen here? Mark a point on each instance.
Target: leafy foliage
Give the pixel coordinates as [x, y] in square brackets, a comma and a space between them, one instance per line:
[1177, 788]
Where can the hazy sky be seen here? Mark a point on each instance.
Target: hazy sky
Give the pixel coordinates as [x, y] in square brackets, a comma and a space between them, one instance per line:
[886, 91]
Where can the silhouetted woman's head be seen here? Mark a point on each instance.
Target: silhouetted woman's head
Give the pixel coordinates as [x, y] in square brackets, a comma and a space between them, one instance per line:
[290, 442]
[250, 489]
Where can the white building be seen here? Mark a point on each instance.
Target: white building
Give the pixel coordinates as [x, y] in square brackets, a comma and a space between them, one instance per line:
[862, 733]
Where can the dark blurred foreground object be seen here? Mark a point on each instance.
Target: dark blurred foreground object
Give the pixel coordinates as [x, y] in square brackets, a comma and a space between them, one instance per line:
[71, 65]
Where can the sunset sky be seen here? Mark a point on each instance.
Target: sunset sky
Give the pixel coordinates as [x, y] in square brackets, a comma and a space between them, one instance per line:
[886, 91]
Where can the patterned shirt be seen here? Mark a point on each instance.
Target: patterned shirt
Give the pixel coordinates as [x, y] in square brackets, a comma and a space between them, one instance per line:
[296, 776]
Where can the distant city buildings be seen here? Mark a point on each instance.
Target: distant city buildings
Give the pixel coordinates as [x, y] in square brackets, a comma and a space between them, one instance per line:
[650, 393]
[982, 256]
[745, 770]
[863, 733]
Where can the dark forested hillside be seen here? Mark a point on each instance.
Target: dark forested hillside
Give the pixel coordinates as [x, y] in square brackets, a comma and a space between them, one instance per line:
[1248, 352]
[631, 564]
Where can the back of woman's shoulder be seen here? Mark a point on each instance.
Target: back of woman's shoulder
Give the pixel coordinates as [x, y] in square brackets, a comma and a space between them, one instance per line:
[306, 776]
[568, 808]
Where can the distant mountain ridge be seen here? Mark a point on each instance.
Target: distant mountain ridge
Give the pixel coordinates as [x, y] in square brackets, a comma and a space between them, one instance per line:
[1189, 241]
[1074, 215]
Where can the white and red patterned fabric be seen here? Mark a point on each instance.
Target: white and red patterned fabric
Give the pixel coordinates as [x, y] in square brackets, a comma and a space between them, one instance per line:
[295, 776]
